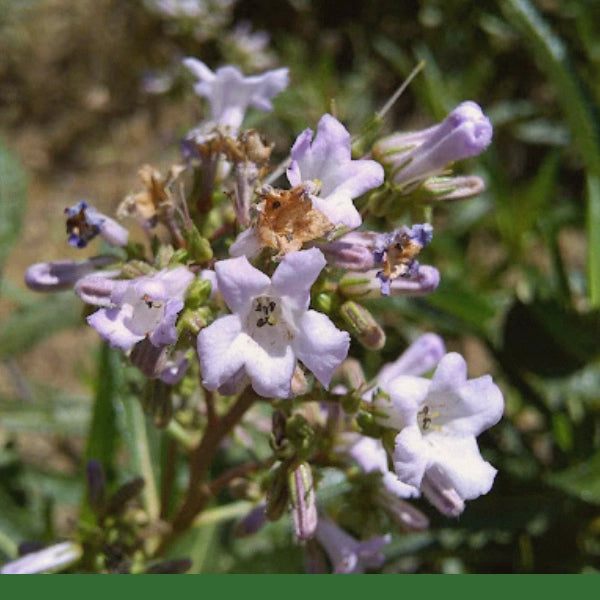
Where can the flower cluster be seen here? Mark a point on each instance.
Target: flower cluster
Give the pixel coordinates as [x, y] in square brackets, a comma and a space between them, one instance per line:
[246, 292]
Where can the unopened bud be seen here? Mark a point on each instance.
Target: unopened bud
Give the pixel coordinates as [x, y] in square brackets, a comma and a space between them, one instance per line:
[199, 248]
[438, 189]
[301, 434]
[49, 560]
[253, 522]
[96, 484]
[303, 503]
[277, 494]
[351, 374]
[299, 383]
[61, 275]
[363, 325]
[404, 516]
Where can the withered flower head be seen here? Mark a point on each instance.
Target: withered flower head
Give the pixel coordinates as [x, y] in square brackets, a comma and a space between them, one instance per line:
[151, 205]
[287, 219]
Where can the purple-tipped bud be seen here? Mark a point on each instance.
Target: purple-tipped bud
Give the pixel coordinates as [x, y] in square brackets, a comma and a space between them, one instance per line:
[461, 187]
[96, 484]
[61, 275]
[405, 516]
[414, 157]
[253, 522]
[363, 325]
[303, 502]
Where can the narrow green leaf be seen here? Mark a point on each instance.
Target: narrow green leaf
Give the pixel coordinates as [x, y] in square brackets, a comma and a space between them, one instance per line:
[142, 441]
[581, 480]
[13, 196]
[24, 328]
[580, 114]
[103, 435]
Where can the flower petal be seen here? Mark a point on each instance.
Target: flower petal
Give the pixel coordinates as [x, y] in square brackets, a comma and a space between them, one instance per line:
[219, 351]
[461, 461]
[320, 345]
[423, 354]
[108, 322]
[466, 407]
[295, 275]
[239, 282]
[411, 456]
[406, 396]
[270, 374]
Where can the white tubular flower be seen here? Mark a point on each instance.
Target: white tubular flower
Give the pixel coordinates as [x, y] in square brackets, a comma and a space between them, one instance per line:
[230, 94]
[439, 419]
[270, 328]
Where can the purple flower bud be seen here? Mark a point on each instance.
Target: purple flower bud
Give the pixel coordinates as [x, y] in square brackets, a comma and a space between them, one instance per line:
[49, 560]
[414, 157]
[61, 275]
[303, 502]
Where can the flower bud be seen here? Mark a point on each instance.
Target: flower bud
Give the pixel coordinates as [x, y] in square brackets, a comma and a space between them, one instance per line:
[362, 325]
[404, 516]
[49, 560]
[413, 157]
[61, 275]
[199, 248]
[96, 484]
[253, 522]
[277, 494]
[302, 499]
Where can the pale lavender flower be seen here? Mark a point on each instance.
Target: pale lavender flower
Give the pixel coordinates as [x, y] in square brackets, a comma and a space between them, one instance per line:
[413, 157]
[230, 94]
[49, 560]
[346, 553]
[62, 274]
[84, 223]
[438, 420]
[145, 307]
[327, 162]
[270, 328]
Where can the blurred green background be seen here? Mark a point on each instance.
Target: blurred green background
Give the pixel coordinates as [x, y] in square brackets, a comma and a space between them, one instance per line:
[92, 89]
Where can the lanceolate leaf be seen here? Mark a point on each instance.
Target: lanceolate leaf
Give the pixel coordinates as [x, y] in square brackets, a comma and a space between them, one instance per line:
[13, 193]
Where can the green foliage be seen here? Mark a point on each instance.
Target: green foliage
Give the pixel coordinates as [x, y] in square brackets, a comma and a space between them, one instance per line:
[517, 293]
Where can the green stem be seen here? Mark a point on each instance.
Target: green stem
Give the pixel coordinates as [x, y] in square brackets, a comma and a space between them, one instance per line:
[199, 492]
